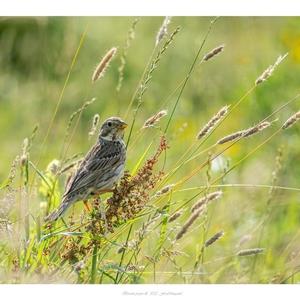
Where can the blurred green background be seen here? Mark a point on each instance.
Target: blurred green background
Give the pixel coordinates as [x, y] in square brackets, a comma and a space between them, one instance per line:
[36, 54]
[35, 57]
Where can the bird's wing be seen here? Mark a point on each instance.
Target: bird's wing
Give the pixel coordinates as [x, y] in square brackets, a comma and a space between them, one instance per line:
[97, 165]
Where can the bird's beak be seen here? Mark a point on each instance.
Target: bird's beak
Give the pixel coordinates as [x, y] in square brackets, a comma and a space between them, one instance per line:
[123, 125]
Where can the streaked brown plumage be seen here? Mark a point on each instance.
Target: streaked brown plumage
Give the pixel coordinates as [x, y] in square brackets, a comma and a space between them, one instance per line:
[100, 169]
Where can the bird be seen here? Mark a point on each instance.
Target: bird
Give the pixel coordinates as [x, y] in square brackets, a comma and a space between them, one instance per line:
[100, 169]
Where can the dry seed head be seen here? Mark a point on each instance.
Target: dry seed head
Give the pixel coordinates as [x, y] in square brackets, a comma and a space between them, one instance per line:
[13, 170]
[75, 113]
[166, 189]
[54, 167]
[133, 192]
[155, 119]
[175, 216]
[213, 122]
[163, 30]
[268, 72]
[256, 129]
[130, 37]
[213, 52]
[291, 120]
[154, 64]
[196, 214]
[206, 199]
[244, 133]
[247, 252]
[230, 137]
[214, 238]
[24, 156]
[104, 63]
[96, 119]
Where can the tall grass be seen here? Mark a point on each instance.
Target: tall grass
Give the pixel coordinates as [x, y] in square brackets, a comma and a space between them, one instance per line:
[165, 220]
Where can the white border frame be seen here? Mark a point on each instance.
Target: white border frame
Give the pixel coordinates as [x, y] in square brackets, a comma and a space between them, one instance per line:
[150, 7]
[148, 291]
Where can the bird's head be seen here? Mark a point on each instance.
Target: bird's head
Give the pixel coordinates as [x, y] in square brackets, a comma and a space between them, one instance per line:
[113, 129]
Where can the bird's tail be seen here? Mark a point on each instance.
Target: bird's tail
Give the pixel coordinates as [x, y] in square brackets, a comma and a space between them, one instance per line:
[58, 212]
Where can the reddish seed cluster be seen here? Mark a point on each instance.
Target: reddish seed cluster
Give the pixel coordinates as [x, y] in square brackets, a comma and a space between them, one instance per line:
[130, 196]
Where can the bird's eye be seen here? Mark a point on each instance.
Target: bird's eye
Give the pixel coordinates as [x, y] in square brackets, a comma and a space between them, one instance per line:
[109, 124]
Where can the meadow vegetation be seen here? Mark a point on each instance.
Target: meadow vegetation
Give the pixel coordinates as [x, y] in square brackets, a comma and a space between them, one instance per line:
[211, 188]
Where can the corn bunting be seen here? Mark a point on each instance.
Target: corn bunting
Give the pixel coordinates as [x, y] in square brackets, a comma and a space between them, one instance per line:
[100, 169]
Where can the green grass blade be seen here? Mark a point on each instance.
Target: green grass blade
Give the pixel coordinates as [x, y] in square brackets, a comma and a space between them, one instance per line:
[94, 264]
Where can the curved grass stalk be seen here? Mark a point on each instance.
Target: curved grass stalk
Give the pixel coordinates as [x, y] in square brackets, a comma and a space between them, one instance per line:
[181, 85]
[229, 170]
[221, 176]
[180, 161]
[130, 37]
[168, 98]
[141, 159]
[190, 73]
[233, 167]
[78, 112]
[66, 145]
[147, 78]
[139, 84]
[242, 185]
[226, 116]
[172, 172]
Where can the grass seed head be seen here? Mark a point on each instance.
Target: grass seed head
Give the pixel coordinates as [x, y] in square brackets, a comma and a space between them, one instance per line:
[213, 122]
[175, 216]
[185, 227]
[248, 252]
[244, 133]
[269, 71]
[291, 120]
[214, 238]
[166, 189]
[13, 171]
[214, 52]
[130, 38]
[104, 63]
[54, 167]
[255, 129]
[230, 137]
[163, 30]
[206, 199]
[25, 153]
[152, 121]
[95, 124]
